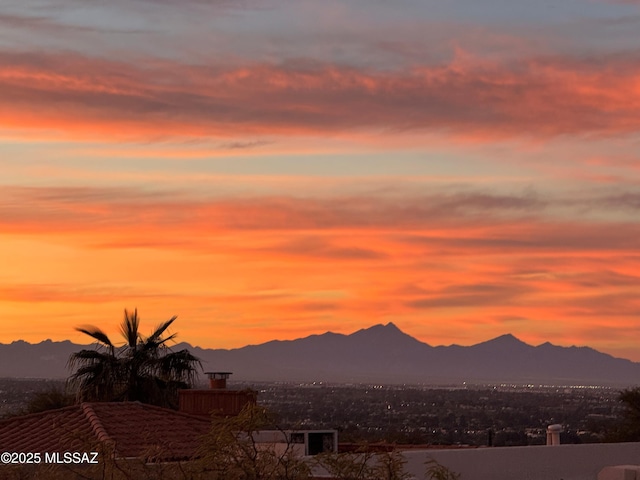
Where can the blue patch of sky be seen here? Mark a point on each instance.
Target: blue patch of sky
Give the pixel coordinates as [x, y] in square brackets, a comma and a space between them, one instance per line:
[356, 32]
[506, 11]
[299, 16]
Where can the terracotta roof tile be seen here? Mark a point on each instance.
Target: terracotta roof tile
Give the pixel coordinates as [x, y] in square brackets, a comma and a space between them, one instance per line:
[132, 428]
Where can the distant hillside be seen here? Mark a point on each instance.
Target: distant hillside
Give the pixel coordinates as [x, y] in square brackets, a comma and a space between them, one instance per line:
[41, 360]
[381, 353]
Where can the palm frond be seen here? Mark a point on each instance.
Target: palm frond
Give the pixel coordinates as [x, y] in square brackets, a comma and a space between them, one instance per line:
[129, 328]
[84, 357]
[179, 366]
[157, 334]
[96, 333]
[169, 338]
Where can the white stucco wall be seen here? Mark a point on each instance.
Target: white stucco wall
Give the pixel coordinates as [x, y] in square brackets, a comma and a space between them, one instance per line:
[562, 462]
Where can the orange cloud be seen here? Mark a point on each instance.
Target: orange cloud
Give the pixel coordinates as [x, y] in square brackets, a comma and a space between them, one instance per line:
[487, 221]
[537, 98]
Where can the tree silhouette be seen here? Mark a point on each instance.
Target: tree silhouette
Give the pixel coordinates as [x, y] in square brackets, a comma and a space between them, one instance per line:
[230, 449]
[627, 429]
[143, 369]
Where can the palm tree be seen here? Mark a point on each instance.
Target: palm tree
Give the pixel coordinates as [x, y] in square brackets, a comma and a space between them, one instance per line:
[143, 369]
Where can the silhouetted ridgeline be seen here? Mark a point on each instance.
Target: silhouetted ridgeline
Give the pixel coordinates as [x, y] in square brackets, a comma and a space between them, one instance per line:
[382, 354]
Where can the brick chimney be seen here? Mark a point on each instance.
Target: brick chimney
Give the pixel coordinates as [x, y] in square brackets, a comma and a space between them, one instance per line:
[218, 380]
[217, 400]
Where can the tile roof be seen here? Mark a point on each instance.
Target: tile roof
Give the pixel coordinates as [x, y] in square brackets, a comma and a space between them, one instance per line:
[133, 429]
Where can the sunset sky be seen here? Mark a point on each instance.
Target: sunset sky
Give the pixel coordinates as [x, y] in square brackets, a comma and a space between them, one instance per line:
[270, 169]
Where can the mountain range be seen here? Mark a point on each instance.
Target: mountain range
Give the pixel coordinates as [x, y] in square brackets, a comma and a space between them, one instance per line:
[379, 354]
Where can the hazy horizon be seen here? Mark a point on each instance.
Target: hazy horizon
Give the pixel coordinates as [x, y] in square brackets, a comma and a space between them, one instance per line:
[119, 342]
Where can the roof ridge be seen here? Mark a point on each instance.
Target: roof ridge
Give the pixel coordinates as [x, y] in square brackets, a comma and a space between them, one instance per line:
[96, 424]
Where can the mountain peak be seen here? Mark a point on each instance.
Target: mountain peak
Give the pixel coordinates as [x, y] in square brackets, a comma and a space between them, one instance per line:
[387, 335]
[380, 330]
[507, 340]
[389, 327]
[508, 337]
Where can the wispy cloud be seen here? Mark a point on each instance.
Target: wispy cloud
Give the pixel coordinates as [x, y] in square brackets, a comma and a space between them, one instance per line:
[103, 208]
[322, 248]
[462, 296]
[61, 293]
[49, 25]
[538, 98]
[518, 216]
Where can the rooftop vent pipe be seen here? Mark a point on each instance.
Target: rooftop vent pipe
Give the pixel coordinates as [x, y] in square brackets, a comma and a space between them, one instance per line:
[553, 434]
